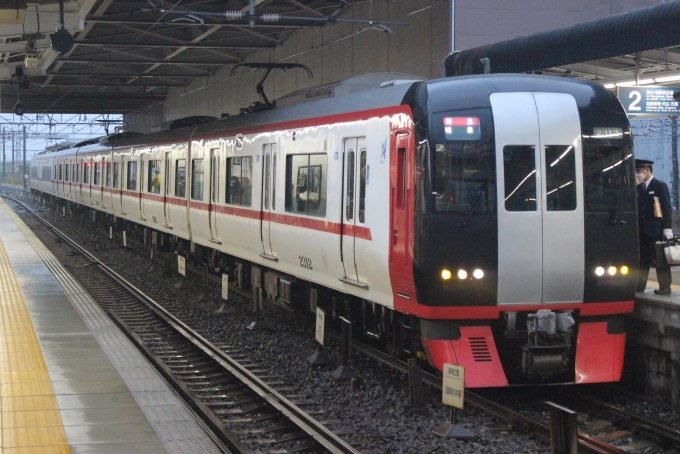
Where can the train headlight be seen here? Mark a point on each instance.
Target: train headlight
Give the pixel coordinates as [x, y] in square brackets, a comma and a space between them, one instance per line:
[462, 274]
[599, 271]
[625, 270]
[446, 275]
[478, 274]
[611, 270]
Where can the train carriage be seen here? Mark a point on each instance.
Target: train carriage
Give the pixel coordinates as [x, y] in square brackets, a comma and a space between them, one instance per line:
[489, 221]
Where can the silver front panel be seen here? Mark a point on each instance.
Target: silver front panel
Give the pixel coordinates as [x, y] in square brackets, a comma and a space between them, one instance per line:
[540, 249]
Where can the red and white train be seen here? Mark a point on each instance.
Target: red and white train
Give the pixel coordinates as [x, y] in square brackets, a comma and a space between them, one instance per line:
[487, 221]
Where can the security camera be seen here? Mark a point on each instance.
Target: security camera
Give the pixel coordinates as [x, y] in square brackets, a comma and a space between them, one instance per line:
[31, 59]
[19, 108]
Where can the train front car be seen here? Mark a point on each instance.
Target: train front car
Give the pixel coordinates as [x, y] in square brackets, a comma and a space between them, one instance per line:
[525, 229]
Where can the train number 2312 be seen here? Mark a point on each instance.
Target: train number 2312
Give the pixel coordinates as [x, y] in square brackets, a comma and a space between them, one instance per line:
[305, 262]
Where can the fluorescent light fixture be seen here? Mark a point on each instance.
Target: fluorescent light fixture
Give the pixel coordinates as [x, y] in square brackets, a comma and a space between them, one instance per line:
[609, 85]
[667, 78]
[646, 81]
[626, 83]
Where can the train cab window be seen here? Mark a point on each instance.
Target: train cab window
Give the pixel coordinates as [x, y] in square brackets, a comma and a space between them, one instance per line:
[197, 179]
[240, 179]
[97, 174]
[66, 169]
[86, 173]
[519, 169]
[116, 171]
[306, 184]
[560, 174]
[154, 177]
[132, 175]
[180, 178]
[461, 174]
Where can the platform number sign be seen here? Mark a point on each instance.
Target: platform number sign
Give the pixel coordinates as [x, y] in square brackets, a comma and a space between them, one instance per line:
[181, 265]
[649, 100]
[453, 386]
[225, 286]
[320, 322]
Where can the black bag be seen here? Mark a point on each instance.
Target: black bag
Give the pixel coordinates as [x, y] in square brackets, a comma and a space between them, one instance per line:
[662, 255]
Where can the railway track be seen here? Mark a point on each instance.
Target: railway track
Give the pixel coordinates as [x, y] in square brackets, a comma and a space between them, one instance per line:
[240, 402]
[589, 439]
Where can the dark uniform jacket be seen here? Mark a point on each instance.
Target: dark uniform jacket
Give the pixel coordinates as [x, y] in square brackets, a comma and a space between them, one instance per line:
[650, 225]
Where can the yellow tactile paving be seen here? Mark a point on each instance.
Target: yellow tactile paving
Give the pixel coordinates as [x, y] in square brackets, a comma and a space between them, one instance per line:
[29, 418]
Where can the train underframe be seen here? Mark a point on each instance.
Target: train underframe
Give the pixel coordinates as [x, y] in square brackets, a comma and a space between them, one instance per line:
[530, 347]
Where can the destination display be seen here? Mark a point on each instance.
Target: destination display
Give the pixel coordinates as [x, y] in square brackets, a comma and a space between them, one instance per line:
[649, 100]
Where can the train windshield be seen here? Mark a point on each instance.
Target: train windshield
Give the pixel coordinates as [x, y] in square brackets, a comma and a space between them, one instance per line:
[463, 165]
[607, 163]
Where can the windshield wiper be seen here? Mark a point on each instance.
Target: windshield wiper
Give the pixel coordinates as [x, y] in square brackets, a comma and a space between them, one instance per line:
[473, 204]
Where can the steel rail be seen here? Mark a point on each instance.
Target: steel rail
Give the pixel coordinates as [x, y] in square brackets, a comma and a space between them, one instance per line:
[322, 435]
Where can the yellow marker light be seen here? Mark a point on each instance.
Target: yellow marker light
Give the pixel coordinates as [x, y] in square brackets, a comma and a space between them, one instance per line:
[611, 270]
[462, 274]
[446, 275]
[599, 271]
[478, 274]
[625, 270]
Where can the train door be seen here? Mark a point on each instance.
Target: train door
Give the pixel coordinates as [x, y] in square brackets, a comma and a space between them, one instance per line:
[540, 221]
[214, 192]
[268, 194]
[354, 187]
[401, 264]
[166, 189]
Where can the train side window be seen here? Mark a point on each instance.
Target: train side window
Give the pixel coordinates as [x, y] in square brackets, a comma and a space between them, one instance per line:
[401, 178]
[116, 170]
[519, 169]
[240, 181]
[154, 177]
[273, 178]
[108, 174]
[77, 173]
[46, 173]
[55, 171]
[74, 174]
[197, 179]
[61, 176]
[306, 184]
[66, 169]
[560, 174]
[363, 179]
[132, 175]
[349, 209]
[86, 173]
[180, 178]
[97, 173]
[34, 171]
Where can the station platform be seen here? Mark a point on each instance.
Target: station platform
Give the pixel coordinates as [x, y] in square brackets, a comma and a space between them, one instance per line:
[70, 380]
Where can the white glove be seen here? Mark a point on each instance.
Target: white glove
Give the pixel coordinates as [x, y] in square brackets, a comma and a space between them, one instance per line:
[668, 234]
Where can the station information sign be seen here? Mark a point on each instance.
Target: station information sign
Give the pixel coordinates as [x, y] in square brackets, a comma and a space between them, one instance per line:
[649, 100]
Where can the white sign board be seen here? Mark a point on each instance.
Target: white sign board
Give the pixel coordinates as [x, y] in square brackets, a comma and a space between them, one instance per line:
[124, 238]
[225, 286]
[320, 324]
[453, 386]
[110, 233]
[181, 265]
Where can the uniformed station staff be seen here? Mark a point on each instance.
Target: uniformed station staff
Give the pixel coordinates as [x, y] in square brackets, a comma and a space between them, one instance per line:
[655, 222]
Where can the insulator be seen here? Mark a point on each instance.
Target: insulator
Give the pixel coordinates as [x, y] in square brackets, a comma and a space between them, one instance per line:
[269, 17]
[233, 15]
